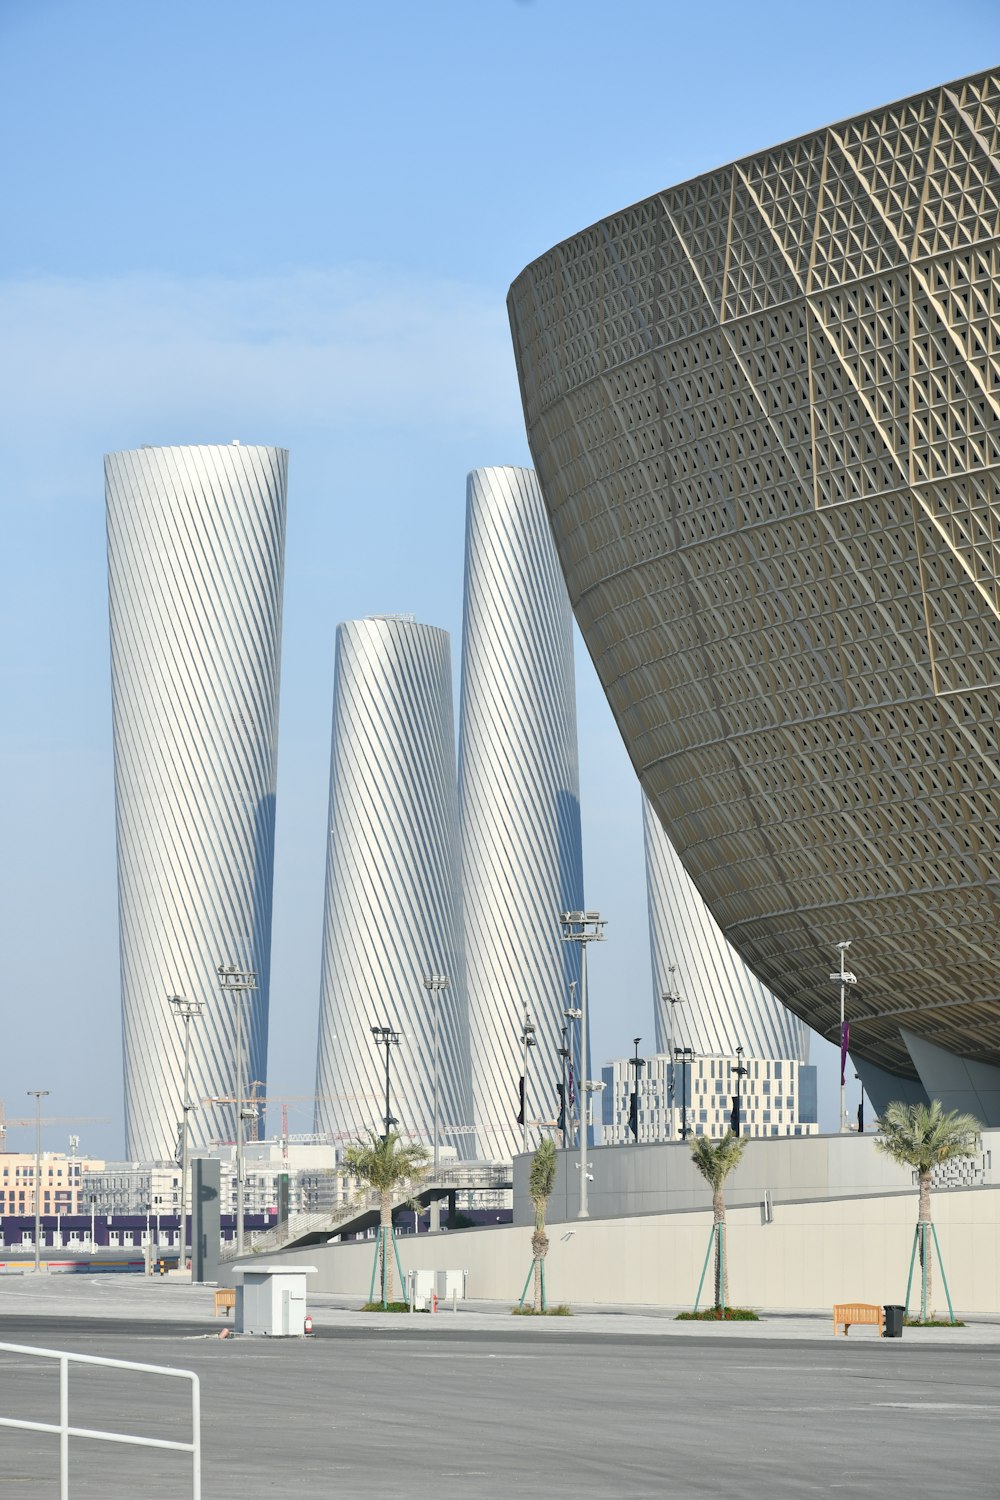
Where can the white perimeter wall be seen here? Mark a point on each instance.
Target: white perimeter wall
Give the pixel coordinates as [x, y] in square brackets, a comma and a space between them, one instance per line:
[810, 1256]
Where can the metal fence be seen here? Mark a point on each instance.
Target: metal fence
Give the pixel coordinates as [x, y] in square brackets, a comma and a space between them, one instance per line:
[65, 1431]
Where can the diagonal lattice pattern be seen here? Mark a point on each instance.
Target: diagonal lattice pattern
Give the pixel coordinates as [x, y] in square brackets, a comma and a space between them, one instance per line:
[195, 565]
[722, 1005]
[392, 911]
[519, 801]
[764, 406]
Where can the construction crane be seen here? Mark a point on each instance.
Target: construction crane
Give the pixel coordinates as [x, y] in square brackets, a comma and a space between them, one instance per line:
[30, 1122]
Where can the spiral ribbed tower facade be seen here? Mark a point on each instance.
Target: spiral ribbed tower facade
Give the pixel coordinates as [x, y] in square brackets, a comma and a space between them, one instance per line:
[195, 567]
[721, 1005]
[519, 801]
[392, 914]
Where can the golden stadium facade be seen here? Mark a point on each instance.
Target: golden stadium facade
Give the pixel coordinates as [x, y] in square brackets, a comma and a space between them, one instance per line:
[764, 407]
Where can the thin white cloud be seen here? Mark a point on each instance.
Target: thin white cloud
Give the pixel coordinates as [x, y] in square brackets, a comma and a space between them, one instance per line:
[263, 355]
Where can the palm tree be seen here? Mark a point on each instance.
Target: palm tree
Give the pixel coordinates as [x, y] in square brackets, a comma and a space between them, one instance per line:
[923, 1136]
[385, 1163]
[541, 1181]
[715, 1160]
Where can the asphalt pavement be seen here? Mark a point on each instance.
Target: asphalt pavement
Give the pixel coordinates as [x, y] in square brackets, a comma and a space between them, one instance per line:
[480, 1403]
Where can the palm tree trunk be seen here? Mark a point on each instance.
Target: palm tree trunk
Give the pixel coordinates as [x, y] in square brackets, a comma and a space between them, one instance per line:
[385, 1223]
[539, 1249]
[721, 1263]
[924, 1223]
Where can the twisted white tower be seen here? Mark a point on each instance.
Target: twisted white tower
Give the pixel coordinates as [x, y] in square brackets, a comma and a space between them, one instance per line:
[195, 564]
[519, 801]
[722, 1005]
[392, 911]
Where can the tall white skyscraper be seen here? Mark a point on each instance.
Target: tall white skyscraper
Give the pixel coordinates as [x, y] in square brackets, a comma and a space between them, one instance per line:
[717, 1004]
[392, 913]
[195, 565]
[519, 802]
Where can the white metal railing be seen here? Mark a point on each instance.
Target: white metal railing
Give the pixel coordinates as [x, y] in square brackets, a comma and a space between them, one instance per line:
[65, 1431]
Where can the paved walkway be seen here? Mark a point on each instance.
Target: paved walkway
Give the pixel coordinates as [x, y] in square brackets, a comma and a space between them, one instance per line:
[141, 1300]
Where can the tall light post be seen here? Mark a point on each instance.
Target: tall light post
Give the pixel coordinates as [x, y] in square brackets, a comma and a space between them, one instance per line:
[583, 927]
[572, 1013]
[38, 1095]
[187, 1011]
[673, 998]
[387, 1038]
[685, 1054]
[843, 977]
[633, 1108]
[434, 984]
[528, 1040]
[236, 981]
[741, 1073]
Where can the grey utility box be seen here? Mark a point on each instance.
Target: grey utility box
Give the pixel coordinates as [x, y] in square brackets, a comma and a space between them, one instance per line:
[272, 1301]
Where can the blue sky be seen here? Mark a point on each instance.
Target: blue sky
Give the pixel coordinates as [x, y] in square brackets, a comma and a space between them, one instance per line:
[296, 224]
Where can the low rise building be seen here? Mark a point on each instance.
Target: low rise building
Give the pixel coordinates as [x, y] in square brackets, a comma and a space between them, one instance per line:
[60, 1182]
[686, 1096]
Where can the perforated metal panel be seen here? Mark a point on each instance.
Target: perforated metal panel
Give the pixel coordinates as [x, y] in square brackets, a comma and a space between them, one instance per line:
[764, 410]
[717, 1004]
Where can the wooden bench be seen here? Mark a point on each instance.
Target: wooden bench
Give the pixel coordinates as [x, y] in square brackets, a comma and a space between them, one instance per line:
[847, 1313]
[225, 1301]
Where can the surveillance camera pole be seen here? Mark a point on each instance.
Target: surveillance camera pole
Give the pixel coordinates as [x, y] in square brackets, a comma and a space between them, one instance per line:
[583, 927]
[387, 1038]
[527, 1042]
[186, 1010]
[235, 981]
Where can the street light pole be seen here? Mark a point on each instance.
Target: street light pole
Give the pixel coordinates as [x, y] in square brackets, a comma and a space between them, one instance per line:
[672, 998]
[434, 984]
[684, 1053]
[527, 1042]
[186, 1011]
[38, 1095]
[387, 1038]
[633, 1112]
[843, 977]
[236, 981]
[741, 1073]
[572, 1013]
[583, 927]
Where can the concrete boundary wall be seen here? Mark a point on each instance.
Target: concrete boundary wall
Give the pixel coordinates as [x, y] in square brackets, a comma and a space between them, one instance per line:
[661, 1178]
[810, 1256]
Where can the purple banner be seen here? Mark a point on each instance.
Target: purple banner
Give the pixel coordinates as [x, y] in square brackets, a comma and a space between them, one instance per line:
[845, 1042]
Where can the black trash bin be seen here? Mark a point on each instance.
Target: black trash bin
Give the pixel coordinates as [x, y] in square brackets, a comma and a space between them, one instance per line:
[894, 1321]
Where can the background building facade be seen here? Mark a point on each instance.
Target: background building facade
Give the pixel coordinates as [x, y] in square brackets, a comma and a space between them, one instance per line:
[764, 406]
[195, 567]
[392, 913]
[519, 802]
[777, 1097]
[704, 996]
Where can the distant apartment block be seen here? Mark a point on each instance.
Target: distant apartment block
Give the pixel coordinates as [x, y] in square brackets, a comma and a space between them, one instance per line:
[777, 1097]
[61, 1182]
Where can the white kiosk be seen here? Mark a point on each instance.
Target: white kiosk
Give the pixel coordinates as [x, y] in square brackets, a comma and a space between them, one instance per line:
[272, 1300]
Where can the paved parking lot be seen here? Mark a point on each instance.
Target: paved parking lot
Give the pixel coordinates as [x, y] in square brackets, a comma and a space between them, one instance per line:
[482, 1404]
